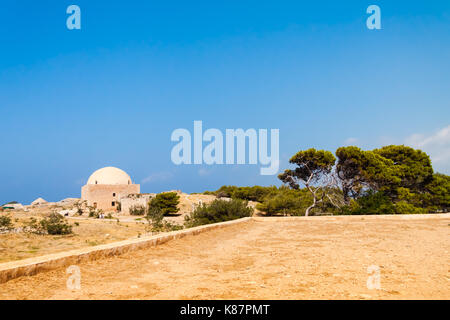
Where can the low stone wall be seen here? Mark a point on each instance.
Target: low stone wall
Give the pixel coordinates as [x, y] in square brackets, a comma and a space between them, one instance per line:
[32, 266]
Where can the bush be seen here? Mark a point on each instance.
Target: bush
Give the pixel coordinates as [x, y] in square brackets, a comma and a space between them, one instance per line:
[55, 224]
[167, 202]
[79, 207]
[218, 211]
[137, 210]
[92, 212]
[255, 193]
[155, 218]
[379, 203]
[6, 223]
[404, 207]
[285, 201]
[277, 201]
[372, 203]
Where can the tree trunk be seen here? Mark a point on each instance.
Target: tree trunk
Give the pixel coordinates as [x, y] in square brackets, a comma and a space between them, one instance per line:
[311, 206]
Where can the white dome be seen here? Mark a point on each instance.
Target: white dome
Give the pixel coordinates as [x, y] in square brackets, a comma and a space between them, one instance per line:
[109, 175]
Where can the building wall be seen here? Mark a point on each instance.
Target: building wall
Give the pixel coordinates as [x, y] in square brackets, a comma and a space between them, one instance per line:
[105, 196]
[133, 200]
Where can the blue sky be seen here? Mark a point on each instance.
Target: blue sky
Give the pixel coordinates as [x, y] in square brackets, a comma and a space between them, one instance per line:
[111, 93]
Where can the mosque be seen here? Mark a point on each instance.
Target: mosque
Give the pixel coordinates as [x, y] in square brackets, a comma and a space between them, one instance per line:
[106, 187]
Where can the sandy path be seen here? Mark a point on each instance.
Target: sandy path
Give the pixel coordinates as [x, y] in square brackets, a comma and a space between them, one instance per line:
[321, 259]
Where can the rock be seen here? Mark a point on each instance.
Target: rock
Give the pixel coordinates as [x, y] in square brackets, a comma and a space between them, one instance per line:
[38, 202]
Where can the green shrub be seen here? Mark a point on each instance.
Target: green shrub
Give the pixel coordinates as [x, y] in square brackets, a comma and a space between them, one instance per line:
[137, 210]
[218, 211]
[55, 224]
[6, 223]
[372, 203]
[255, 193]
[92, 212]
[155, 218]
[79, 207]
[379, 203]
[404, 207]
[285, 201]
[279, 201]
[167, 202]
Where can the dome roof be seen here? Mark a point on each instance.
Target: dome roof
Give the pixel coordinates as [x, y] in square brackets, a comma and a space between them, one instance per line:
[109, 175]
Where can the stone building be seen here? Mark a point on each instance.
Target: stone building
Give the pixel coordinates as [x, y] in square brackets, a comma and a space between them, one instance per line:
[105, 188]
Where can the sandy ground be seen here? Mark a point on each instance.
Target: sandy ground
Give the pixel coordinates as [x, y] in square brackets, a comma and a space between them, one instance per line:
[301, 259]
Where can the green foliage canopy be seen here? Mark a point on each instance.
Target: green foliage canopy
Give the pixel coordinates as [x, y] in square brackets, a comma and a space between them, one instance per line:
[167, 202]
[360, 170]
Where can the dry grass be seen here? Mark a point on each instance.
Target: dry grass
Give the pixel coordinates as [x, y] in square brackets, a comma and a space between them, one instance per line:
[88, 232]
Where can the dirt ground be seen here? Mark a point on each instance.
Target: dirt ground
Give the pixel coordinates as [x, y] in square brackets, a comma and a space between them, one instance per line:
[327, 258]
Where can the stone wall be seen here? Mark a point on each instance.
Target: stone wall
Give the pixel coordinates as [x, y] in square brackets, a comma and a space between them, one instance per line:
[133, 200]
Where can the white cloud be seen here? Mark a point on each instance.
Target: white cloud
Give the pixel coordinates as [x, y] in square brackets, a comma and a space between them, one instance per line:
[159, 176]
[437, 145]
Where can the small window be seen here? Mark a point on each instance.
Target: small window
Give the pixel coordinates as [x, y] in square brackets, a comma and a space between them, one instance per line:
[114, 194]
[113, 203]
[95, 181]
